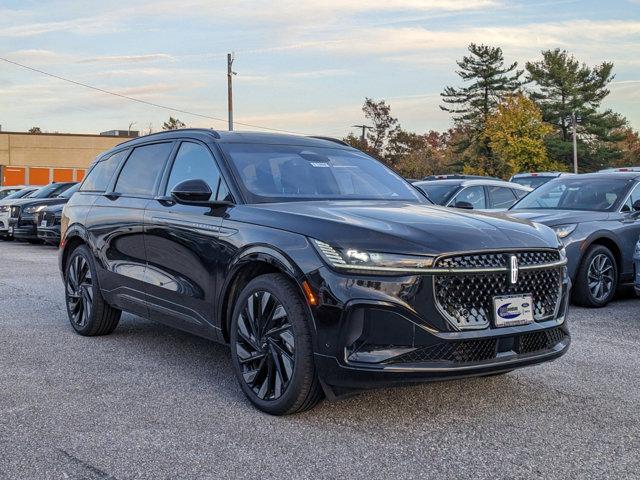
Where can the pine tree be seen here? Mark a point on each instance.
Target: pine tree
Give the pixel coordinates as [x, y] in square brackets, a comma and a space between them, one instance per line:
[488, 81]
[561, 86]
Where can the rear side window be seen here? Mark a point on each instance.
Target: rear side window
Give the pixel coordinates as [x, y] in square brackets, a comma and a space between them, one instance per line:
[194, 162]
[520, 193]
[142, 169]
[501, 197]
[473, 195]
[100, 175]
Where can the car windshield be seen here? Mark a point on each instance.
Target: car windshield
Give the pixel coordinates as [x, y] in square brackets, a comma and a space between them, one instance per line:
[533, 182]
[437, 192]
[51, 190]
[18, 194]
[573, 193]
[70, 191]
[280, 173]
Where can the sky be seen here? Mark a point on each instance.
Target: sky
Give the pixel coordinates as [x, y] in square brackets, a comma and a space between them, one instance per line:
[302, 66]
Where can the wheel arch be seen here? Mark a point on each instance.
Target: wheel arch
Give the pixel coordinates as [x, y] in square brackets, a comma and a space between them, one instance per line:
[75, 236]
[250, 263]
[605, 239]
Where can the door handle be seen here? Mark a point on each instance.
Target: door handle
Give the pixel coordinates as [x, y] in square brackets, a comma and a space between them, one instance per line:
[166, 200]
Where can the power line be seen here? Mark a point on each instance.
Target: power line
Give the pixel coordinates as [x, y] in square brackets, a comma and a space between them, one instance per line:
[144, 102]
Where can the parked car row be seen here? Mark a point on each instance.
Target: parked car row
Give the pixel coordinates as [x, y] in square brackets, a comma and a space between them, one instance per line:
[25, 214]
[324, 270]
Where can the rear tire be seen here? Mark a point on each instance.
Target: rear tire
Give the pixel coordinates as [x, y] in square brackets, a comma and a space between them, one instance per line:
[596, 279]
[271, 347]
[88, 312]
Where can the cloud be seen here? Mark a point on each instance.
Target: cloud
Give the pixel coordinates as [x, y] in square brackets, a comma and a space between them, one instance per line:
[149, 57]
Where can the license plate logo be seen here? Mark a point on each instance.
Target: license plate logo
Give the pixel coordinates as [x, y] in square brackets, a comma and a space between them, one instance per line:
[512, 310]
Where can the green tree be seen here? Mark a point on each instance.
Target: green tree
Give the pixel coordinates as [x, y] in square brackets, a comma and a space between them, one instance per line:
[516, 134]
[562, 85]
[383, 123]
[173, 124]
[35, 130]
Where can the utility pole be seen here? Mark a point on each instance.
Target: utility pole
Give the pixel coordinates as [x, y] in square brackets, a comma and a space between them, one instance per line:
[129, 129]
[575, 120]
[230, 74]
[364, 129]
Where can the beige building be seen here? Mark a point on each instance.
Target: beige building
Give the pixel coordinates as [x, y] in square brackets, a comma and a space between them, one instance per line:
[40, 158]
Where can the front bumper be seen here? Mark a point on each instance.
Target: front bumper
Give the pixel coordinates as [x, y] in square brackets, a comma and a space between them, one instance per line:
[389, 332]
[24, 228]
[49, 234]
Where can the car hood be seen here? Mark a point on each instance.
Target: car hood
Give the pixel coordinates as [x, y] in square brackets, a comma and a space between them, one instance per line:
[398, 227]
[25, 202]
[553, 218]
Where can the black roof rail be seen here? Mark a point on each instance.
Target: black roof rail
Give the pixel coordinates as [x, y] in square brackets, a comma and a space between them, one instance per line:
[166, 132]
[331, 139]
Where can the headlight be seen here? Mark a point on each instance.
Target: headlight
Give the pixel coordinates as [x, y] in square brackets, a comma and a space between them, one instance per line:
[34, 209]
[4, 209]
[352, 259]
[563, 231]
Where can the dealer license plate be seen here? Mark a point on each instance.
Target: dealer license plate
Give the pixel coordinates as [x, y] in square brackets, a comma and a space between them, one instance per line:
[43, 223]
[509, 310]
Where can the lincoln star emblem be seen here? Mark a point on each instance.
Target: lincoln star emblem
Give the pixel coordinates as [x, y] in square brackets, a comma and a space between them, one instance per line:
[513, 269]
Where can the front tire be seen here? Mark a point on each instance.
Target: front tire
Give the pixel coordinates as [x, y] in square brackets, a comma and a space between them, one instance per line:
[597, 278]
[271, 347]
[88, 312]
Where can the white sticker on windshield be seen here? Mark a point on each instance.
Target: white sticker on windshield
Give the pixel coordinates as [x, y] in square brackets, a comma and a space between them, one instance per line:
[320, 165]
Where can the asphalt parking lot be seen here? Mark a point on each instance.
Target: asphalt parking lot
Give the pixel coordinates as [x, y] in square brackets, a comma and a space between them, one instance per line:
[151, 402]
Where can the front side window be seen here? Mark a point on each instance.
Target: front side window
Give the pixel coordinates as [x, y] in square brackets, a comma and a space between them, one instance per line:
[438, 193]
[473, 195]
[195, 162]
[142, 169]
[276, 173]
[574, 193]
[501, 197]
[100, 175]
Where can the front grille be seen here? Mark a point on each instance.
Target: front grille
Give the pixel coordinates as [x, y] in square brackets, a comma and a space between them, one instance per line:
[50, 218]
[473, 351]
[536, 341]
[465, 298]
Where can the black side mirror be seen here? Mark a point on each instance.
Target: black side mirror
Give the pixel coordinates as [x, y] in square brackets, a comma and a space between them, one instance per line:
[195, 192]
[465, 205]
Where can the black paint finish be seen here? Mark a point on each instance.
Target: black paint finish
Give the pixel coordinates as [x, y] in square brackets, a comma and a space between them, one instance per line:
[183, 265]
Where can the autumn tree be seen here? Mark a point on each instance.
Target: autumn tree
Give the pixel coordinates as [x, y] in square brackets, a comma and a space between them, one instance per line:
[629, 148]
[561, 85]
[414, 155]
[516, 133]
[173, 124]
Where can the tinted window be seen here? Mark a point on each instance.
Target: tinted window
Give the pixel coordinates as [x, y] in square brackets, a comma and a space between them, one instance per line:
[19, 194]
[501, 197]
[520, 193]
[100, 175]
[140, 172]
[594, 194]
[194, 162]
[438, 193]
[634, 197]
[473, 195]
[272, 173]
[70, 191]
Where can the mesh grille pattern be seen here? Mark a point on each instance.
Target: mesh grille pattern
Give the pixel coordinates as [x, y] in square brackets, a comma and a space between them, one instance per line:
[498, 260]
[478, 350]
[50, 217]
[468, 299]
[459, 352]
[535, 341]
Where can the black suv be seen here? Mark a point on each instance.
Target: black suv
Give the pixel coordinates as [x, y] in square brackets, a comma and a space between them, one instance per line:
[325, 271]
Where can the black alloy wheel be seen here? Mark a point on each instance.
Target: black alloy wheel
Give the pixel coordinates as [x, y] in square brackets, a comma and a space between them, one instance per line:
[271, 346]
[79, 291]
[88, 312]
[265, 346]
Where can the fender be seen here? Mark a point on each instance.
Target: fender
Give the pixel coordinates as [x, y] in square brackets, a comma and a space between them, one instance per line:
[75, 230]
[258, 253]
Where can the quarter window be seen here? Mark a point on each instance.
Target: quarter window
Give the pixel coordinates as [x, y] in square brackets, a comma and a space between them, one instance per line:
[473, 195]
[141, 171]
[634, 197]
[501, 197]
[100, 175]
[194, 162]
